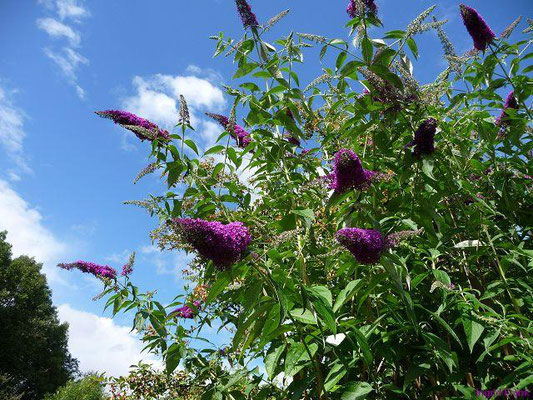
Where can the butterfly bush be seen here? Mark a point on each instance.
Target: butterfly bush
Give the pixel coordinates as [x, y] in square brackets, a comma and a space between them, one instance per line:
[241, 136]
[433, 301]
[366, 245]
[186, 311]
[99, 271]
[348, 172]
[510, 102]
[223, 244]
[477, 27]
[424, 140]
[248, 18]
[131, 121]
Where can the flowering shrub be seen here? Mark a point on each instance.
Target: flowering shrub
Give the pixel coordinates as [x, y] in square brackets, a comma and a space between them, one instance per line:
[411, 279]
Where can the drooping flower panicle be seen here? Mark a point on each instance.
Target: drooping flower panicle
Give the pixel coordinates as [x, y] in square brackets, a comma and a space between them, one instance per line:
[100, 271]
[477, 27]
[248, 18]
[131, 122]
[510, 102]
[424, 141]
[241, 136]
[355, 10]
[127, 268]
[223, 244]
[366, 245]
[186, 311]
[348, 172]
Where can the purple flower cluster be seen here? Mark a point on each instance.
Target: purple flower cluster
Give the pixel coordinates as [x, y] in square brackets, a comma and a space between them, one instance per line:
[369, 5]
[127, 269]
[186, 311]
[348, 172]
[100, 271]
[510, 102]
[241, 136]
[477, 27]
[366, 245]
[127, 119]
[424, 141]
[223, 244]
[247, 16]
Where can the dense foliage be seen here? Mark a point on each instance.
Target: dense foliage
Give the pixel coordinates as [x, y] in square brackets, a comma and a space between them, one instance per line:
[390, 251]
[34, 355]
[89, 387]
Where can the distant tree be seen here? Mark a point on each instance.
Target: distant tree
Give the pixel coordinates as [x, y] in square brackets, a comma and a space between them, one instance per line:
[33, 343]
[87, 388]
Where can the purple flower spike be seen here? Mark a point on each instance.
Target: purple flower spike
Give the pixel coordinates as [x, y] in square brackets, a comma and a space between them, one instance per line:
[348, 172]
[241, 136]
[223, 244]
[366, 245]
[510, 102]
[369, 6]
[100, 271]
[129, 121]
[186, 311]
[424, 141]
[477, 27]
[247, 16]
[292, 139]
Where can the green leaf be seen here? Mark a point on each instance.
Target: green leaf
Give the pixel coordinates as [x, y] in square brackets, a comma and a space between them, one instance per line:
[368, 50]
[214, 149]
[427, 169]
[192, 145]
[272, 359]
[323, 293]
[473, 331]
[335, 374]
[356, 391]
[340, 60]
[297, 356]
[272, 321]
[345, 294]
[218, 287]
[303, 315]
[412, 46]
[363, 344]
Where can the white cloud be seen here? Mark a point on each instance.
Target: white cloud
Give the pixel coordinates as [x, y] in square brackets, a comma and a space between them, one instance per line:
[57, 29]
[165, 262]
[69, 61]
[71, 9]
[12, 132]
[26, 232]
[100, 344]
[157, 99]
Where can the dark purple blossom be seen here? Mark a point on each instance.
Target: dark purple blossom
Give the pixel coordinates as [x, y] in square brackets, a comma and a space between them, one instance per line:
[510, 102]
[241, 136]
[348, 172]
[129, 120]
[366, 245]
[223, 244]
[292, 139]
[100, 271]
[477, 27]
[369, 5]
[186, 311]
[424, 141]
[247, 16]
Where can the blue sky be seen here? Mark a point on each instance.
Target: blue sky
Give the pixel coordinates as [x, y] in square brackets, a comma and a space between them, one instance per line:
[64, 172]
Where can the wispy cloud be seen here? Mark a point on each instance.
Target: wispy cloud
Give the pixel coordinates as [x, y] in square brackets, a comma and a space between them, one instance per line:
[58, 30]
[69, 61]
[60, 26]
[12, 134]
